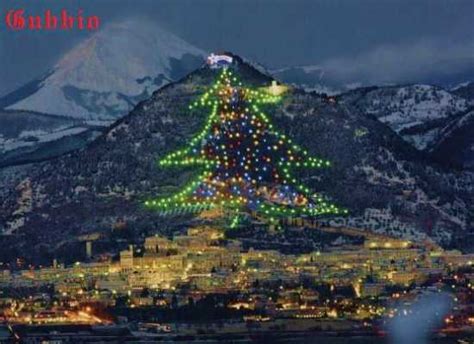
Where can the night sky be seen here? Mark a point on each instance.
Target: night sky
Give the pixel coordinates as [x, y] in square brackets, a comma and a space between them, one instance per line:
[385, 40]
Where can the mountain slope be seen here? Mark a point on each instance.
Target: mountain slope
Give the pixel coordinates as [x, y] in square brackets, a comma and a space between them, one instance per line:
[98, 81]
[465, 91]
[385, 183]
[456, 146]
[107, 74]
[30, 136]
[417, 112]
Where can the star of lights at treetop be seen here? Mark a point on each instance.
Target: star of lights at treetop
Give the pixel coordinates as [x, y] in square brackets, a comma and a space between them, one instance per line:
[246, 164]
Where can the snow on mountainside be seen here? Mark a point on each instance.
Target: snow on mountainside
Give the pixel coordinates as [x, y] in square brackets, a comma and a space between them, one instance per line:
[30, 136]
[417, 112]
[106, 75]
[466, 91]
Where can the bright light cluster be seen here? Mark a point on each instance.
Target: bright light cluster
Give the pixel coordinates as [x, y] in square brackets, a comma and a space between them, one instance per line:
[246, 164]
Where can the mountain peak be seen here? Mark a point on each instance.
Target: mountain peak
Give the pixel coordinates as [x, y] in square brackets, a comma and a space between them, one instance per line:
[133, 46]
[104, 76]
[250, 72]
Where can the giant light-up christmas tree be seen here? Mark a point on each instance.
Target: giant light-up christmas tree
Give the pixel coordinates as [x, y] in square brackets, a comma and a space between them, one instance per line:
[246, 164]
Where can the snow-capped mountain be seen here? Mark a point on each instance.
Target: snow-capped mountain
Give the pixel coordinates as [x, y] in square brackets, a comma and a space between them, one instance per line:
[98, 81]
[418, 113]
[106, 75]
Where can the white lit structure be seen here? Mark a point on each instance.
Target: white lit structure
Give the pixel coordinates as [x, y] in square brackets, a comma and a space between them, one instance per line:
[219, 61]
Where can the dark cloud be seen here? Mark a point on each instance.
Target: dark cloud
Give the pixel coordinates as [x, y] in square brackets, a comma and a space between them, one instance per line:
[274, 32]
[405, 62]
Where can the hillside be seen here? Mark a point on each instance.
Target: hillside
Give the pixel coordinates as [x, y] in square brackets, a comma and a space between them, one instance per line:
[387, 185]
[417, 112]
